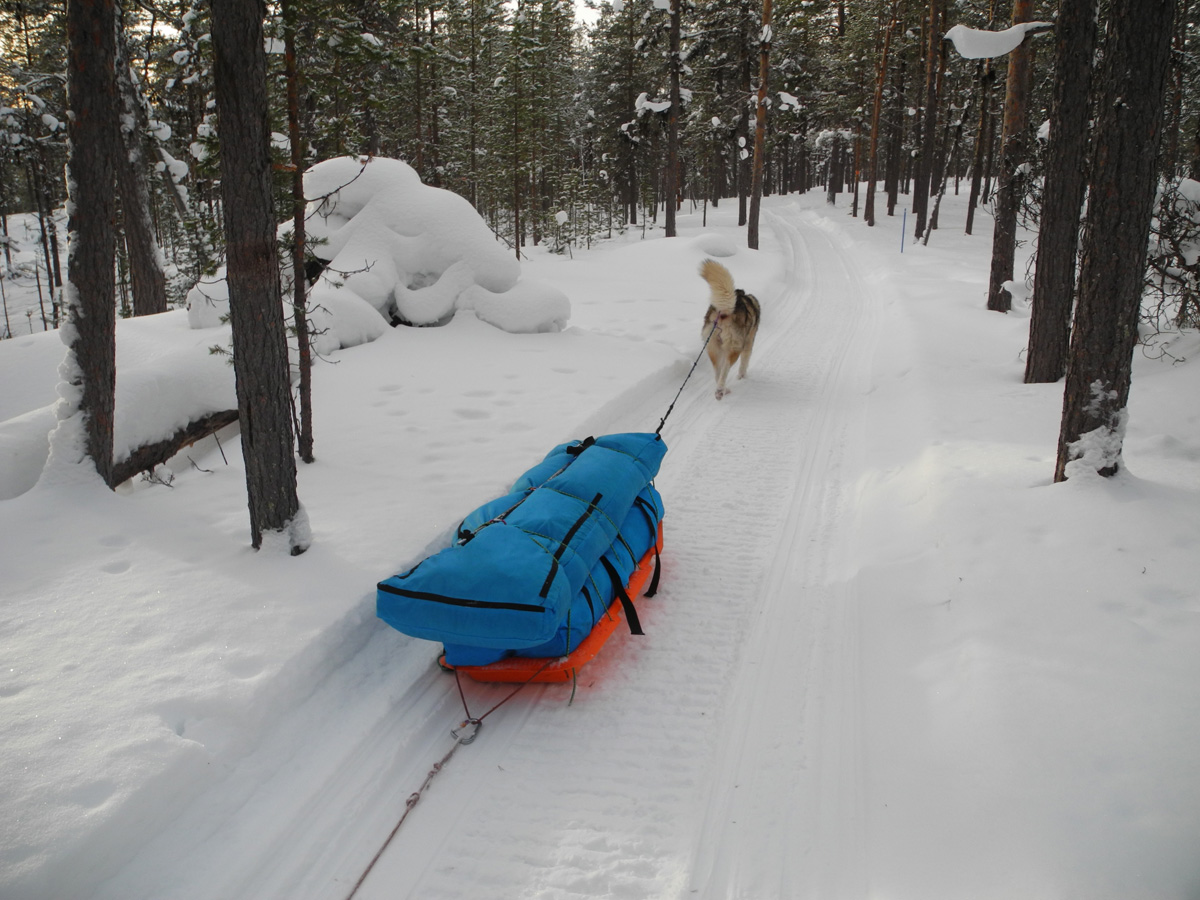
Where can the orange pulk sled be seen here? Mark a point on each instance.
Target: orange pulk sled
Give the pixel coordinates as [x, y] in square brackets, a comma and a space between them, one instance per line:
[537, 580]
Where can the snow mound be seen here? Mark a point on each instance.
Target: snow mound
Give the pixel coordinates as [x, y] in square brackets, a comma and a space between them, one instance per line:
[416, 252]
[529, 306]
[208, 301]
[24, 445]
[340, 318]
[717, 245]
[397, 250]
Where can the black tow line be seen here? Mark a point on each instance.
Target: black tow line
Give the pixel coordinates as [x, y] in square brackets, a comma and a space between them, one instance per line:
[716, 323]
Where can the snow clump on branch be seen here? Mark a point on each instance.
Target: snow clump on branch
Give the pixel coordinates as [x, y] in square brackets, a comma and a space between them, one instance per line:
[971, 43]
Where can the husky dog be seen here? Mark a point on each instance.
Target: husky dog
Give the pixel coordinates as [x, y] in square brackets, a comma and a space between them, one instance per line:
[734, 314]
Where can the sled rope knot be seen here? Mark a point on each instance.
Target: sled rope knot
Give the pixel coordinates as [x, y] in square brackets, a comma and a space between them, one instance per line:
[716, 324]
[477, 722]
[412, 800]
[464, 734]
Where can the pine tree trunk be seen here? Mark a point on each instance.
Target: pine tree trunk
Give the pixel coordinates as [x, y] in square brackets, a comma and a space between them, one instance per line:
[435, 149]
[760, 128]
[856, 167]
[473, 111]
[743, 123]
[895, 137]
[987, 78]
[92, 133]
[1062, 201]
[944, 176]
[924, 173]
[255, 305]
[1178, 76]
[672, 173]
[937, 170]
[1013, 152]
[416, 63]
[1121, 199]
[299, 282]
[876, 110]
[45, 201]
[145, 259]
[518, 225]
[1194, 168]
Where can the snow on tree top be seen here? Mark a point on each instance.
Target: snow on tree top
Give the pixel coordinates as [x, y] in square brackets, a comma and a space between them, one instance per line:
[971, 43]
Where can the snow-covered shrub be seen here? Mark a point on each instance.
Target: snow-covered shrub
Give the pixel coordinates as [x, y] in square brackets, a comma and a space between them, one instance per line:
[1173, 262]
[396, 250]
[413, 252]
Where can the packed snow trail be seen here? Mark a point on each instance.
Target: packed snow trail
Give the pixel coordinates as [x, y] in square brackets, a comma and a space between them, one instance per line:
[741, 703]
[735, 716]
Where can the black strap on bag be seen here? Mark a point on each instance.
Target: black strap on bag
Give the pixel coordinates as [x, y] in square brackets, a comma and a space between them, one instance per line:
[651, 514]
[576, 449]
[566, 540]
[635, 627]
[653, 588]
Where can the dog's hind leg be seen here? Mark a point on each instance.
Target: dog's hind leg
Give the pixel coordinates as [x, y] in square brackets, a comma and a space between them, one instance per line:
[726, 363]
[721, 363]
[745, 364]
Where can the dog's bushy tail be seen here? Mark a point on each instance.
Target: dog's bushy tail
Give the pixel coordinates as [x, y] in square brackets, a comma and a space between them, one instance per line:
[720, 283]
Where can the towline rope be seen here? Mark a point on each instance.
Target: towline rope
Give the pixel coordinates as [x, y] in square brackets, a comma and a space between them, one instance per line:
[464, 734]
[716, 324]
[408, 806]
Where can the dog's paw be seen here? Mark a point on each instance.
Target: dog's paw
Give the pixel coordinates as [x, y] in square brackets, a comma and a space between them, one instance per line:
[721, 392]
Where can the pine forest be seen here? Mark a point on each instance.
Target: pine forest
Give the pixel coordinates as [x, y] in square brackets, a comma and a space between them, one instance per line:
[530, 114]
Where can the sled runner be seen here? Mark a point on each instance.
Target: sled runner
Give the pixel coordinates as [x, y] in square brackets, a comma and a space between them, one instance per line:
[537, 579]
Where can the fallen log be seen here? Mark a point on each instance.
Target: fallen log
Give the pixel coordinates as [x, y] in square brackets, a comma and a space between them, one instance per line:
[146, 457]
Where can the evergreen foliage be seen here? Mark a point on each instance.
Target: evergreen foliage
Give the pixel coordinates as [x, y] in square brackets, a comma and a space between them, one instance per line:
[555, 131]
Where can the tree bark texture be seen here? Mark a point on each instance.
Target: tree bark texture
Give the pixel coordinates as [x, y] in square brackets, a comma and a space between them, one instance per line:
[1014, 151]
[255, 305]
[1062, 199]
[145, 259]
[92, 133]
[1130, 102]
[760, 128]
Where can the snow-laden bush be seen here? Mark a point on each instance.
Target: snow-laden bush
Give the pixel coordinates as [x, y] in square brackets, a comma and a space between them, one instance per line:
[396, 250]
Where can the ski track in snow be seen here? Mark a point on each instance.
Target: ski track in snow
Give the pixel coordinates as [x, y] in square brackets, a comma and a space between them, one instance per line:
[741, 703]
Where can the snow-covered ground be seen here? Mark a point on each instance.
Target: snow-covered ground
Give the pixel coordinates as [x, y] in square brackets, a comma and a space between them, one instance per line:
[888, 659]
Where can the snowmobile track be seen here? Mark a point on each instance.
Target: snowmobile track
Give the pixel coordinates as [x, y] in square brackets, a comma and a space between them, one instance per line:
[751, 645]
